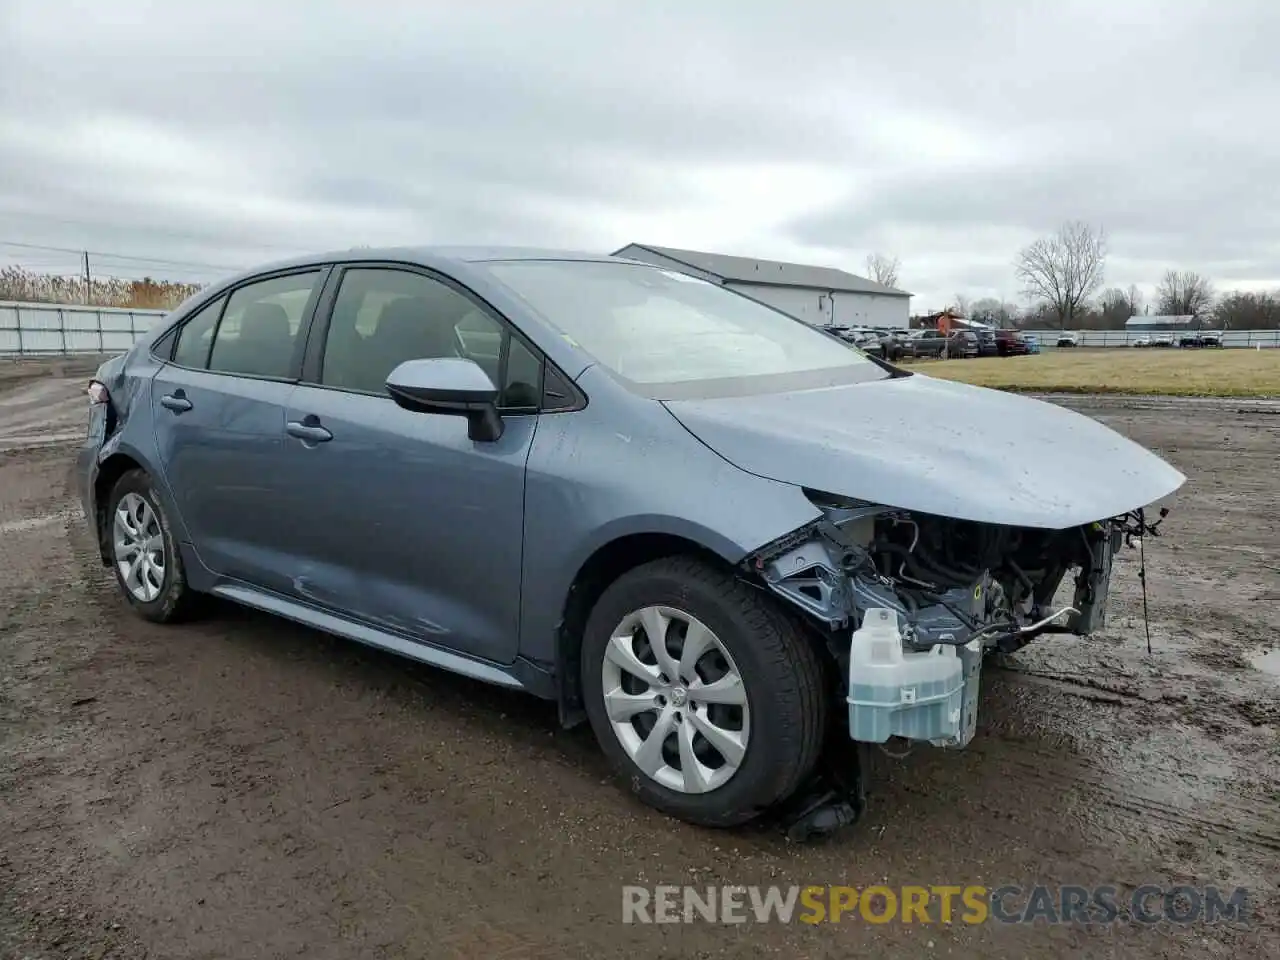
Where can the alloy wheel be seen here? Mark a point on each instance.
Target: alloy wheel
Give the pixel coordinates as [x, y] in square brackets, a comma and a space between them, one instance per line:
[675, 699]
[139, 547]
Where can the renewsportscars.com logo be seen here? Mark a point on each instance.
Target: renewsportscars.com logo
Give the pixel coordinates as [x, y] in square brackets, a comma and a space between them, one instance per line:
[941, 904]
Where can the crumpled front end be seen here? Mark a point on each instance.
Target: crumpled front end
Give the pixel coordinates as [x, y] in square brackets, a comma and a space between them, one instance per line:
[910, 602]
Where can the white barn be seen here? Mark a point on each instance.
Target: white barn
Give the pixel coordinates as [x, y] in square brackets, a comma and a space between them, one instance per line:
[822, 296]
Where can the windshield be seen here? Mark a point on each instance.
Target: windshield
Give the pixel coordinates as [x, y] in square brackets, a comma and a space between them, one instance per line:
[655, 326]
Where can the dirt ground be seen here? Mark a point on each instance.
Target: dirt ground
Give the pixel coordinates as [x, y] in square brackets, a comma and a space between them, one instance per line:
[243, 787]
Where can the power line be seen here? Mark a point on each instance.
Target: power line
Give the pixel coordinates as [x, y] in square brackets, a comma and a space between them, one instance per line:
[118, 256]
[158, 231]
[38, 263]
[125, 257]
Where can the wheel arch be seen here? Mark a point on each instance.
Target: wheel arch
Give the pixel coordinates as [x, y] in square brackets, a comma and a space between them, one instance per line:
[110, 470]
[605, 564]
[114, 462]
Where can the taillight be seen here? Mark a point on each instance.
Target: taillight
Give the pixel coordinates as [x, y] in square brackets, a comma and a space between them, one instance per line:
[97, 393]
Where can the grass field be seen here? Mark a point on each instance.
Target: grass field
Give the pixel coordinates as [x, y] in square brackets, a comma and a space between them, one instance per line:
[1181, 373]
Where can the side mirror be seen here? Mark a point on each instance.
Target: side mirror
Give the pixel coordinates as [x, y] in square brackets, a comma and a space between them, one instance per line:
[448, 385]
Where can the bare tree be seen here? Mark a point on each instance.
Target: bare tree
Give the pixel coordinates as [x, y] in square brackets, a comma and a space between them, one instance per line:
[883, 269]
[1184, 293]
[1064, 269]
[1134, 296]
[960, 304]
[985, 310]
[1038, 316]
[992, 311]
[1114, 308]
[1248, 311]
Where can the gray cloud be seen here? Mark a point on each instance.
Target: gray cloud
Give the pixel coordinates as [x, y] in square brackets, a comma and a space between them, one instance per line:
[949, 134]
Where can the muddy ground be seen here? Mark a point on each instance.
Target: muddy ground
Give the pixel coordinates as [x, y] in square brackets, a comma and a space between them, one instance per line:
[243, 787]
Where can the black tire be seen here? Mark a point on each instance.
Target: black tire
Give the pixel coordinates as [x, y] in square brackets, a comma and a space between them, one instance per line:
[176, 600]
[779, 668]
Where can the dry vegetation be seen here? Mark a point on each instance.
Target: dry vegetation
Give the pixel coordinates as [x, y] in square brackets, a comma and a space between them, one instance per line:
[1175, 372]
[24, 285]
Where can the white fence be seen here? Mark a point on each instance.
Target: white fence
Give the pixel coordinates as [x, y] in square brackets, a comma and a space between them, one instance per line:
[42, 329]
[1124, 338]
[39, 329]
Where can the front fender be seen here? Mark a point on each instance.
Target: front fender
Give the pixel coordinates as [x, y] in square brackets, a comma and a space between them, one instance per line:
[725, 547]
[589, 483]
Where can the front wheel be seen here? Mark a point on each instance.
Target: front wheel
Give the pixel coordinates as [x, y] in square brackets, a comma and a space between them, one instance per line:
[708, 701]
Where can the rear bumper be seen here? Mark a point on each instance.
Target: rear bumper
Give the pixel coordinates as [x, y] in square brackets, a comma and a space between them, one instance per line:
[86, 467]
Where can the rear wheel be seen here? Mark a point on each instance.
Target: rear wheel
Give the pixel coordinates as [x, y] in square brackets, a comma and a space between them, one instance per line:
[705, 697]
[144, 553]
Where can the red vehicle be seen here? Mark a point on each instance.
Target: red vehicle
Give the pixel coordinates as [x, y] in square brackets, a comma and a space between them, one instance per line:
[1010, 343]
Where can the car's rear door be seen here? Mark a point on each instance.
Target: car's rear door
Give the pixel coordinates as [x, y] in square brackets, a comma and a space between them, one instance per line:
[397, 518]
[218, 409]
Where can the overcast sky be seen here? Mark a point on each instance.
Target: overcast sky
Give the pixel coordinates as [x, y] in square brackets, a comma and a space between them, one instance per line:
[947, 133]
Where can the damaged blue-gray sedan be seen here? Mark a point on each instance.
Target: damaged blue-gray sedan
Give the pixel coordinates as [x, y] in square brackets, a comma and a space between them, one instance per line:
[729, 541]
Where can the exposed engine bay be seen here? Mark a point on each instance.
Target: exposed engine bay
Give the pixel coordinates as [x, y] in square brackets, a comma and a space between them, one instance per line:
[963, 584]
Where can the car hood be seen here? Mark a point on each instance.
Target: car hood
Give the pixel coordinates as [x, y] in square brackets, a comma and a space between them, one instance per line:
[932, 446]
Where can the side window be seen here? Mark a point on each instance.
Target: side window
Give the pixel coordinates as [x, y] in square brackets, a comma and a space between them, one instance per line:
[556, 392]
[196, 335]
[522, 386]
[261, 325]
[481, 338]
[163, 347]
[383, 317]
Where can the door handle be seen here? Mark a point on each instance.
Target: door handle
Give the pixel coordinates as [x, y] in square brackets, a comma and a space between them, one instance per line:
[176, 401]
[308, 430]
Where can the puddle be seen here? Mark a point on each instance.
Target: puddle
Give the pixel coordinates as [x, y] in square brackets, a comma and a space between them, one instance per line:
[1268, 662]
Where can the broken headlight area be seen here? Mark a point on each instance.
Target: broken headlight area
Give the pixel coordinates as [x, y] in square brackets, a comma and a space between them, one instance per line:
[925, 596]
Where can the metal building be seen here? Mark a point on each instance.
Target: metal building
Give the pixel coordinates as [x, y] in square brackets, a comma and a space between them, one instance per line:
[1148, 322]
[822, 296]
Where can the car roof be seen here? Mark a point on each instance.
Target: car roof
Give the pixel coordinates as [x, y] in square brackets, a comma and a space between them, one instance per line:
[434, 257]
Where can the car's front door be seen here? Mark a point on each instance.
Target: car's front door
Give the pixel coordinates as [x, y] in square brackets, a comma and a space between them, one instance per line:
[218, 410]
[399, 519]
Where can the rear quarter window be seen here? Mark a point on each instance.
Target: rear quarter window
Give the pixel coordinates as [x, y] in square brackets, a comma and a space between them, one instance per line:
[196, 335]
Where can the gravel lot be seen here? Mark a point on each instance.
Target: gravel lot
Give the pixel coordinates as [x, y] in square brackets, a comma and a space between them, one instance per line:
[243, 787]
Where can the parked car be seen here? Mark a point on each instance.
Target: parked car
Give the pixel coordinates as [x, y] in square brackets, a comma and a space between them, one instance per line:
[1068, 340]
[963, 344]
[925, 343]
[1201, 338]
[1143, 341]
[1162, 340]
[1010, 343]
[466, 458]
[892, 345]
[868, 341]
[1032, 342]
[987, 343]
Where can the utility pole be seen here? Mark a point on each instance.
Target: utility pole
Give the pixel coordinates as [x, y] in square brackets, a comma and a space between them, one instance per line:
[88, 280]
